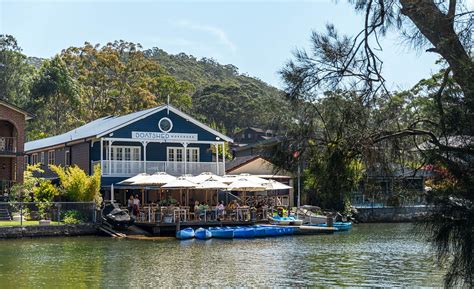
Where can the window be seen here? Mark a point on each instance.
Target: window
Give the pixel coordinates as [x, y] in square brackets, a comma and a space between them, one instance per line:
[34, 159]
[249, 136]
[66, 158]
[51, 158]
[42, 158]
[126, 153]
[176, 154]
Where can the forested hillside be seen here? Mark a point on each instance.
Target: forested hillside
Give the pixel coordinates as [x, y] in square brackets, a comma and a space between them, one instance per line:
[81, 84]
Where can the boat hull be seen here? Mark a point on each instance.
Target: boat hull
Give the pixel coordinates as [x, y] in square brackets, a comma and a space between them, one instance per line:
[202, 234]
[221, 233]
[185, 234]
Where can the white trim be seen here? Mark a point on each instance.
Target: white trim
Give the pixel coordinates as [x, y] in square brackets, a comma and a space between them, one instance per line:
[174, 110]
[67, 155]
[54, 158]
[114, 147]
[157, 141]
[184, 157]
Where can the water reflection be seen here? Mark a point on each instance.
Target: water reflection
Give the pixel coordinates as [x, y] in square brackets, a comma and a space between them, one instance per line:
[369, 255]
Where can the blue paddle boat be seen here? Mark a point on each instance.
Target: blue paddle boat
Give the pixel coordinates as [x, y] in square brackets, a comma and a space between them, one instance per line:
[222, 233]
[202, 234]
[184, 234]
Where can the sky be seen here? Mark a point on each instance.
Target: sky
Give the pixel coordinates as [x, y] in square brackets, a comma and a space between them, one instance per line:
[256, 36]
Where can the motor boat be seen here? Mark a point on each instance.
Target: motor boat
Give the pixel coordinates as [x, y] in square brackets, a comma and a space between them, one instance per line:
[340, 226]
[286, 221]
[310, 215]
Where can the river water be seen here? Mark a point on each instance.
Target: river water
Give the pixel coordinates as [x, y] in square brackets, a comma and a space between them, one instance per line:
[368, 255]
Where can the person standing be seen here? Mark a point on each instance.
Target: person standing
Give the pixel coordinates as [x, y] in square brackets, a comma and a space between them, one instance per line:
[136, 205]
[130, 205]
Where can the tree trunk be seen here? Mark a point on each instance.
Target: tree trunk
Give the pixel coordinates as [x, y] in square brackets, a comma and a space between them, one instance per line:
[438, 28]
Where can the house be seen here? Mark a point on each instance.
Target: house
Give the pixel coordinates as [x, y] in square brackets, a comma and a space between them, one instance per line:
[259, 166]
[12, 138]
[159, 139]
[250, 135]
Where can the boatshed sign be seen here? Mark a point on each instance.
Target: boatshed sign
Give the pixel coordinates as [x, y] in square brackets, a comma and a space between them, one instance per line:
[164, 136]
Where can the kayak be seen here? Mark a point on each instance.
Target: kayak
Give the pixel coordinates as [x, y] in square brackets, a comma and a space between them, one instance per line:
[340, 226]
[202, 234]
[243, 232]
[184, 234]
[222, 233]
[260, 231]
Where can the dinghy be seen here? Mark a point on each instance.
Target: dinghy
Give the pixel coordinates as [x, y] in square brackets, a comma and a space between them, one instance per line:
[244, 232]
[202, 234]
[184, 234]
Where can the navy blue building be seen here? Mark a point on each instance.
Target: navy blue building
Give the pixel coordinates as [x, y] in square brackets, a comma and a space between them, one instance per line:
[160, 139]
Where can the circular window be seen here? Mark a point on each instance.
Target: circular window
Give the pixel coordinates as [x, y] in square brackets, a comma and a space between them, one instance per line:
[165, 124]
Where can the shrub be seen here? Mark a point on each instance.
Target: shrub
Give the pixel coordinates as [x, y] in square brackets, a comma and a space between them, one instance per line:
[73, 217]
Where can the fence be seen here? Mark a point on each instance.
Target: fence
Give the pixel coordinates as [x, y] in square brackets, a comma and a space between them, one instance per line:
[43, 213]
[381, 201]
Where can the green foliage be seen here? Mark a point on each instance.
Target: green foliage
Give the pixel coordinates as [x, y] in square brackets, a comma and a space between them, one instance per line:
[24, 191]
[77, 185]
[16, 73]
[72, 217]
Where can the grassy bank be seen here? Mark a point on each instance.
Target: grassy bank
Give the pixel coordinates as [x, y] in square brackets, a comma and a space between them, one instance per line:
[25, 223]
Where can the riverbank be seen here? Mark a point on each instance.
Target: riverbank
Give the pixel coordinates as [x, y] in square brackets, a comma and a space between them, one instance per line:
[392, 214]
[47, 231]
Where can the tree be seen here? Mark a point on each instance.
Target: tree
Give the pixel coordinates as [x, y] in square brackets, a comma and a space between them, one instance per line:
[55, 98]
[351, 64]
[15, 72]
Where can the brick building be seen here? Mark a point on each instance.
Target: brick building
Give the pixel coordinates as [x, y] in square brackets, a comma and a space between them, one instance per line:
[12, 138]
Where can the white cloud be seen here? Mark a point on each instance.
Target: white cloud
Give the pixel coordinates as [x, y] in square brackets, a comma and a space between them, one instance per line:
[212, 30]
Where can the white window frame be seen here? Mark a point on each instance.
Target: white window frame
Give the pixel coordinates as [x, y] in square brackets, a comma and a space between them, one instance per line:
[174, 155]
[25, 162]
[34, 159]
[51, 157]
[132, 154]
[42, 158]
[67, 154]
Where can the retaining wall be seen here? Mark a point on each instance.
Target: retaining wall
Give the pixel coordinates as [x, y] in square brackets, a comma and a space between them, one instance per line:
[47, 231]
[392, 214]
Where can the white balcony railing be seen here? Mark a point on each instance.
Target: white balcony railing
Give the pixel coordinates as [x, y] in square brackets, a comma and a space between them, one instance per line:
[131, 168]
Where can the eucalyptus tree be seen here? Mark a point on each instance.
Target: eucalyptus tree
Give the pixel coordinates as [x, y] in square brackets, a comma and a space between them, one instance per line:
[444, 136]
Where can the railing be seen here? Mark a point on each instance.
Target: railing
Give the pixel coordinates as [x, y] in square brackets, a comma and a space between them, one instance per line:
[171, 215]
[131, 168]
[43, 213]
[5, 186]
[7, 144]
[381, 201]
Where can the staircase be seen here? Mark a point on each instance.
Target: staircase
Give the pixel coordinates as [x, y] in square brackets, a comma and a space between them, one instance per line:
[4, 213]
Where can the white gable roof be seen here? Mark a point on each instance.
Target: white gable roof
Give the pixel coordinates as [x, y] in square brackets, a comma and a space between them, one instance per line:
[108, 124]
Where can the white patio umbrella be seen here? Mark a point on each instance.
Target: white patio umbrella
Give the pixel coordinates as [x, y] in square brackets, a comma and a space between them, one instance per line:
[227, 179]
[133, 179]
[254, 179]
[212, 183]
[273, 185]
[157, 179]
[180, 183]
[202, 177]
[245, 185]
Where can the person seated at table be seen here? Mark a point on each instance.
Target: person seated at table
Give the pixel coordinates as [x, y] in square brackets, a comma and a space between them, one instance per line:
[220, 210]
[203, 209]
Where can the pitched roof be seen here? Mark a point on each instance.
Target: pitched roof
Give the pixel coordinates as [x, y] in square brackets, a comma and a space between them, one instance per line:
[105, 125]
[239, 161]
[16, 108]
